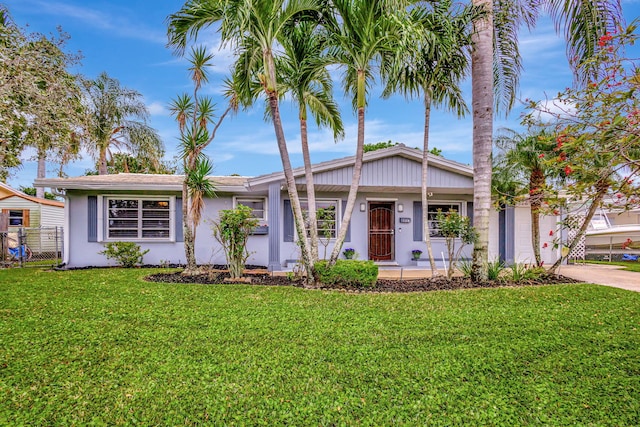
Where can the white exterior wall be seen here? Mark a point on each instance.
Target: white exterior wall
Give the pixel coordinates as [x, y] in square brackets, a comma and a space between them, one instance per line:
[81, 252]
[359, 240]
[51, 216]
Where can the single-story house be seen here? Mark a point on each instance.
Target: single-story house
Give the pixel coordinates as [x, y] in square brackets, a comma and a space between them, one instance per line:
[386, 224]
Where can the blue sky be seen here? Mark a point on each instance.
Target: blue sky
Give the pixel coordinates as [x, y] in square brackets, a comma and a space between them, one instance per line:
[127, 40]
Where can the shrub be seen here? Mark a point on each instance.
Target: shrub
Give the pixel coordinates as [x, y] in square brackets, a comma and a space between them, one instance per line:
[126, 254]
[524, 272]
[348, 273]
[465, 266]
[494, 268]
[454, 226]
[232, 231]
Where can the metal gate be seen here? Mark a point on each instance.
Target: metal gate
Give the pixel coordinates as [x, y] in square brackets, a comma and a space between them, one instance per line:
[381, 231]
[31, 247]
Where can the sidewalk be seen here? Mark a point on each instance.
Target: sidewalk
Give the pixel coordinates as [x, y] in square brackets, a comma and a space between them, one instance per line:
[608, 275]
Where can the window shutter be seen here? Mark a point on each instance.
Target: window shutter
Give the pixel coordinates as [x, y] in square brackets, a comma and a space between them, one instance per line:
[287, 217]
[92, 218]
[347, 237]
[417, 221]
[25, 217]
[470, 211]
[178, 220]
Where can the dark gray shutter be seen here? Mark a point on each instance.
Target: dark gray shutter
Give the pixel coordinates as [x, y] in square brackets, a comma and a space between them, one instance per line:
[470, 211]
[92, 218]
[417, 221]
[178, 220]
[287, 217]
[347, 237]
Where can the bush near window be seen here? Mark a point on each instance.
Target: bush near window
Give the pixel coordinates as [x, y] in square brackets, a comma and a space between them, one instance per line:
[126, 254]
[348, 273]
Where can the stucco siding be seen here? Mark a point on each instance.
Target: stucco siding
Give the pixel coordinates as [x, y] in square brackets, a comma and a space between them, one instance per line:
[81, 252]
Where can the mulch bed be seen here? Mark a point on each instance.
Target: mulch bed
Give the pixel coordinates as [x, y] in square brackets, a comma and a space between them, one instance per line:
[262, 277]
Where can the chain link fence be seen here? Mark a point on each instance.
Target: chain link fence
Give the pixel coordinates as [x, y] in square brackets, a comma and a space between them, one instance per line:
[31, 247]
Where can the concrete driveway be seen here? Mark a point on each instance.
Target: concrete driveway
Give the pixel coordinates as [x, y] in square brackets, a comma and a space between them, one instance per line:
[608, 275]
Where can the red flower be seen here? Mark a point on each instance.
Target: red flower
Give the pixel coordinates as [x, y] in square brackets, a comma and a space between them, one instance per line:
[541, 155]
[545, 245]
[567, 170]
[550, 232]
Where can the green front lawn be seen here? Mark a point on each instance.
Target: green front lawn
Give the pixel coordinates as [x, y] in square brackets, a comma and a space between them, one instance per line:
[104, 347]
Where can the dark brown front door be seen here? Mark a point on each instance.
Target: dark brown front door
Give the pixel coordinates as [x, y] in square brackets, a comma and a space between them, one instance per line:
[381, 231]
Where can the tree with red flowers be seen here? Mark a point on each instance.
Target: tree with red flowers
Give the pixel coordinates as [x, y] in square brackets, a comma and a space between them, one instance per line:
[597, 129]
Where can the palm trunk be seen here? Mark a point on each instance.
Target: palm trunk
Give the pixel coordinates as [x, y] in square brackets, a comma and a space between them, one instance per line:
[536, 182]
[311, 192]
[482, 100]
[41, 172]
[189, 240]
[102, 162]
[425, 169]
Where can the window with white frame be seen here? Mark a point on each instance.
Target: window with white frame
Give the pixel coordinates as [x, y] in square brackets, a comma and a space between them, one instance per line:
[326, 214]
[138, 218]
[258, 206]
[432, 211]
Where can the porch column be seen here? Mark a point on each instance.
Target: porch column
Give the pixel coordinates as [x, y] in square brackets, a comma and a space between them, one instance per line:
[274, 227]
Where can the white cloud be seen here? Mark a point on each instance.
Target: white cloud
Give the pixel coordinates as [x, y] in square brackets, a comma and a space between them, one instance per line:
[157, 109]
[115, 22]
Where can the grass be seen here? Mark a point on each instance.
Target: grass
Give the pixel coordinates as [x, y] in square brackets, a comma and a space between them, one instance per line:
[628, 265]
[103, 347]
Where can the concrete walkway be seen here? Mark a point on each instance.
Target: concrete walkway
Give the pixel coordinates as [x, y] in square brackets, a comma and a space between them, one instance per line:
[608, 275]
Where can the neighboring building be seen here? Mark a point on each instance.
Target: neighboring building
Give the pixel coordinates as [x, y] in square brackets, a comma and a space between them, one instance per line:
[386, 224]
[27, 211]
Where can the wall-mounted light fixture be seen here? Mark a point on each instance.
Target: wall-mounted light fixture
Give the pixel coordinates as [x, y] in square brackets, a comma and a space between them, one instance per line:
[363, 207]
[400, 207]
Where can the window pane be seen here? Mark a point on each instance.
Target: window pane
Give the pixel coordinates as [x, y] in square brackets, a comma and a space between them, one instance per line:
[434, 229]
[156, 234]
[123, 213]
[123, 204]
[123, 233]
[138, 218]
[256, 206]
[123, 223]
[155, 224]
[155, 214]
[155, 204]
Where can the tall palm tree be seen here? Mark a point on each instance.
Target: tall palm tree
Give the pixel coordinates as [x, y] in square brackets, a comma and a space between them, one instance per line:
[524, 154]
[117, 118]
[365, 35]
[584, 22]
[303, 74]
[436, 60]
[194, 114]
[253, 28]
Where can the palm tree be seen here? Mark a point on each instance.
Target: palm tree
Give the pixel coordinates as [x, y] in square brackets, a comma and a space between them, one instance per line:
[253, 28]
[117, 118]
[437, 60]
[584, 22]
[365, 34]
[523, 155]
[194, 113]
[302, 71]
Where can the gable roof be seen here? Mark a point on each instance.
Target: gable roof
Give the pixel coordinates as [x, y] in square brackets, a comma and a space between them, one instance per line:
[7, 192]
[397, 150]
[399, 159]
